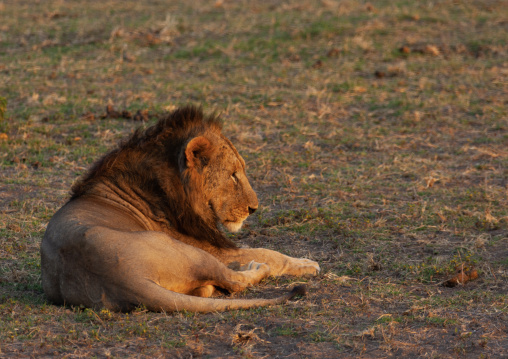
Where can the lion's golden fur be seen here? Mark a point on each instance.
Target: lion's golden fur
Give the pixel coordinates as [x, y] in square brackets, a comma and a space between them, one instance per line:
[142, 226]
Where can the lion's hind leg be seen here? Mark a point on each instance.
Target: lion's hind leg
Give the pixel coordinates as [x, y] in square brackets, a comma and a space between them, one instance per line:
[249, 274]
[236, 281]
[252, 272]
[231, 281]
[191, 270]
[204, 291]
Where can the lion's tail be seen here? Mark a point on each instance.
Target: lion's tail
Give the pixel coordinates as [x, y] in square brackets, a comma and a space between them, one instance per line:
[157, 298]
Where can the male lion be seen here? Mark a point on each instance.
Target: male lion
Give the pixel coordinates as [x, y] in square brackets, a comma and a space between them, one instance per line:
[141, 227]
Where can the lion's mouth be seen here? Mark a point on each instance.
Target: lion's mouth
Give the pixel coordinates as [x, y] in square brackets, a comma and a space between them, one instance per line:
[233, 226]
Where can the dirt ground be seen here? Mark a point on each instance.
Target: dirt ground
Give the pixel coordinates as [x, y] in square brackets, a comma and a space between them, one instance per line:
[375, 134]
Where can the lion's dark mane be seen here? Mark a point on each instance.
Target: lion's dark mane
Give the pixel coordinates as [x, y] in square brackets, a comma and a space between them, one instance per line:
[148, 166]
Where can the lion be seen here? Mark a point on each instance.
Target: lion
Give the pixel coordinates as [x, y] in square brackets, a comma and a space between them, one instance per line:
[143, 227]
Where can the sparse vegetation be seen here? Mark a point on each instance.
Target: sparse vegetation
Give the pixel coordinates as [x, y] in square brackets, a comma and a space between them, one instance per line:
[375, 135]
[3, 106]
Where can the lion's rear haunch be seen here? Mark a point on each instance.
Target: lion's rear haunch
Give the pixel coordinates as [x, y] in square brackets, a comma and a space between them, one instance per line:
[142, 227]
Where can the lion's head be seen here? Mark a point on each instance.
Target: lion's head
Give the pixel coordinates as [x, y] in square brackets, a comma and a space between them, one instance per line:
[214, 176]
[182, 173]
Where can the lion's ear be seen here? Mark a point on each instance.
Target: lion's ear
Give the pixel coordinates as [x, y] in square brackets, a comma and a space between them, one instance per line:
[198, 152]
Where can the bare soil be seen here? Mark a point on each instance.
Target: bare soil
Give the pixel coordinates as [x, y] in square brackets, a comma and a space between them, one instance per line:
[375, 134]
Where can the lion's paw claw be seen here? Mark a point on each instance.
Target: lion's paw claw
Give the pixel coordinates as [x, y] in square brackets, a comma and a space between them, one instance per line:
[304, 267]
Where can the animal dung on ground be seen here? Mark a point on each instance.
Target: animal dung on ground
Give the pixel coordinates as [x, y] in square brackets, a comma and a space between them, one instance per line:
[426, 49]
[112, 113]
[334, 52]
[140, 115]
[318, 64]
[463, 276]
[405, 50]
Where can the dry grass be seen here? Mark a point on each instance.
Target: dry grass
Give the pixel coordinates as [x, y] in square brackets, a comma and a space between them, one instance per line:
[375, 135]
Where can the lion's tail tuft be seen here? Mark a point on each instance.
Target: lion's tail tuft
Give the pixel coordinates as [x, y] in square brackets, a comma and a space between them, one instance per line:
[299, 290]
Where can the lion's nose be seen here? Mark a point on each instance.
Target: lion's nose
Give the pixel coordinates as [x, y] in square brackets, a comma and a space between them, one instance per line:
[252, 210]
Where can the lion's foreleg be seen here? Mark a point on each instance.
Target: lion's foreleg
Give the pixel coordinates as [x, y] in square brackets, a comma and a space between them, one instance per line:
[279, 263]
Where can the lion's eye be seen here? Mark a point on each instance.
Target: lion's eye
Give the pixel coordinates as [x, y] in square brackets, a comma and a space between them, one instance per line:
[234, 178]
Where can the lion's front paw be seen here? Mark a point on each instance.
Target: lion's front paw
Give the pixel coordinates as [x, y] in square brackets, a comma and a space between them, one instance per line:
[303, 267]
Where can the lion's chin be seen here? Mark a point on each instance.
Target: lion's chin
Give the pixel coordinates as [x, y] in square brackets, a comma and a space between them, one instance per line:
[233, 226]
